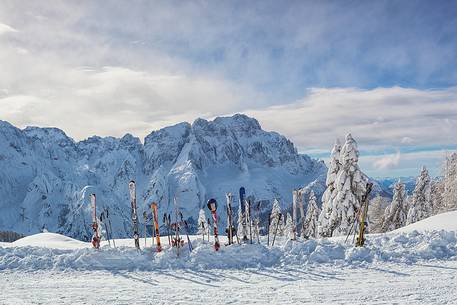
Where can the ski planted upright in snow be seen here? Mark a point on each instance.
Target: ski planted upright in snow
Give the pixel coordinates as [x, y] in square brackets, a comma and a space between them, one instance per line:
[230, 227]
[155, 216]
[103, 222]
[212, 206]
[145, 219]
[166, 221]
[96, 236]
[360, 241]
[136, 236]
[243, 212]
[248, 218]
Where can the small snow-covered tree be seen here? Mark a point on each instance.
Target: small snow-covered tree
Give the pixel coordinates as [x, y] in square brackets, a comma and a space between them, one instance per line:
[289, 226]
[311, 219]
[325, 228]
[350, 187]
[450, 183]
[395, 214]
[376, 210]
[437, 196]
[240, 232]
[202, 224]
[274, 218]
[420, 206]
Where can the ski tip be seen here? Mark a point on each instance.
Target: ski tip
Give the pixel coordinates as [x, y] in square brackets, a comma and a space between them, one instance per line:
[212, 204]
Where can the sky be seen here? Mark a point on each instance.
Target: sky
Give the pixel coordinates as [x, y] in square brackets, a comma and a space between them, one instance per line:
[384, 71]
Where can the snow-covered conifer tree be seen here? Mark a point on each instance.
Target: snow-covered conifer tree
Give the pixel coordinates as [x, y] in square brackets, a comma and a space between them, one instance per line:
[376, 211]
[202, 223]
[420, 206]
[240, 232]
[324, 227]
[350, 186]
[450, 183]
[274, 217]
[395, 214]
[289, 226]
[311, 219]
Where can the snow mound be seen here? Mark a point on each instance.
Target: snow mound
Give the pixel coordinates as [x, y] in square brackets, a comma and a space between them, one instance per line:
[446, 221]
[50, 240]
[400, 247]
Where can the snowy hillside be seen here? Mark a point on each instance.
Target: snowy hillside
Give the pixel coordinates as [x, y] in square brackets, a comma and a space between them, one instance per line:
[446, 221]
[47, 177]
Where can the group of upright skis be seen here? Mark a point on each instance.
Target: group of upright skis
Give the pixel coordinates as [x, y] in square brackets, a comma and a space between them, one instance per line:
[249, 222]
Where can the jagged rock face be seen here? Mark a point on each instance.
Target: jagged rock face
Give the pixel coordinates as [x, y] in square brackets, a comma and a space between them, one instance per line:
[46, 177]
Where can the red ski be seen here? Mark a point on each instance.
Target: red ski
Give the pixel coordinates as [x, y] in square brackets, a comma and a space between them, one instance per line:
[155, 214]
[96, 236]
[212, 206]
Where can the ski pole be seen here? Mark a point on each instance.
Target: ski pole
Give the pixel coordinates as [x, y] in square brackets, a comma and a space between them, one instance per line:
[144, 220]
[110, 227]
[350, 230]
[268, 228]
[276, 229]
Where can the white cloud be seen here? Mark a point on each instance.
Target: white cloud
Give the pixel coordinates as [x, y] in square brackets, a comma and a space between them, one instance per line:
[91, 69]
[387, 162]
[407, 140]
[379, 118]
[114, 100]
[4, 28]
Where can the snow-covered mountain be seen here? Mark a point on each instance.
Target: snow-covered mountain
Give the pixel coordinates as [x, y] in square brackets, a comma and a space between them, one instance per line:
[46, 177]
[387, 184]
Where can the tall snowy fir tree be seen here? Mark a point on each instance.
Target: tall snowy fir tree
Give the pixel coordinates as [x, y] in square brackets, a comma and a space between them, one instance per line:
[202, 223]
[311, 219]
[420, 206]
[325, 229]
[350, 186]
[395, 214]
[274, 218]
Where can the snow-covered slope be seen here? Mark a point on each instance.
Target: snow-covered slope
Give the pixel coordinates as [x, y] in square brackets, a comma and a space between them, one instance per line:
[445, 221]
[46, 177]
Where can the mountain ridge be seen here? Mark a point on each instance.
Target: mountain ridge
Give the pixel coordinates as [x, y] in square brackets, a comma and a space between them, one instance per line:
[48, 175]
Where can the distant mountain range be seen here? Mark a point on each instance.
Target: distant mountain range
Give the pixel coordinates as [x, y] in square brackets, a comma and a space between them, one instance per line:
[46, 177]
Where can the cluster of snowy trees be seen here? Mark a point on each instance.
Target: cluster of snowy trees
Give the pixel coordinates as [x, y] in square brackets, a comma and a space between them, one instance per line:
[430, 197]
